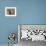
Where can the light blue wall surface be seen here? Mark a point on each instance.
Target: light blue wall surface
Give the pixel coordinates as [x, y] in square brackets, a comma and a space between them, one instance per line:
[28, 12]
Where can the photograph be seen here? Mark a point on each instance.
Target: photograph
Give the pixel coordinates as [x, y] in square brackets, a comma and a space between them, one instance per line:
[30, 33]
[10, 11]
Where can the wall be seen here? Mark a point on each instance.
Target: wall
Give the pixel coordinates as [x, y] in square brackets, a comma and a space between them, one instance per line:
[28, 12]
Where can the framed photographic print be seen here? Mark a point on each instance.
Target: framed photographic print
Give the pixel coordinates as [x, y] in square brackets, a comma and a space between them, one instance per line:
[33, 32]
[10, 11]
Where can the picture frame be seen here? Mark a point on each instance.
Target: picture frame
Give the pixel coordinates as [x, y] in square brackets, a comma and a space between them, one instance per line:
[38, 32]
[10, 11]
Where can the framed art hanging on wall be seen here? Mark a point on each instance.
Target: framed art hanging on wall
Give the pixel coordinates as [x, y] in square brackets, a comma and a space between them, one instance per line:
[10, 11]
